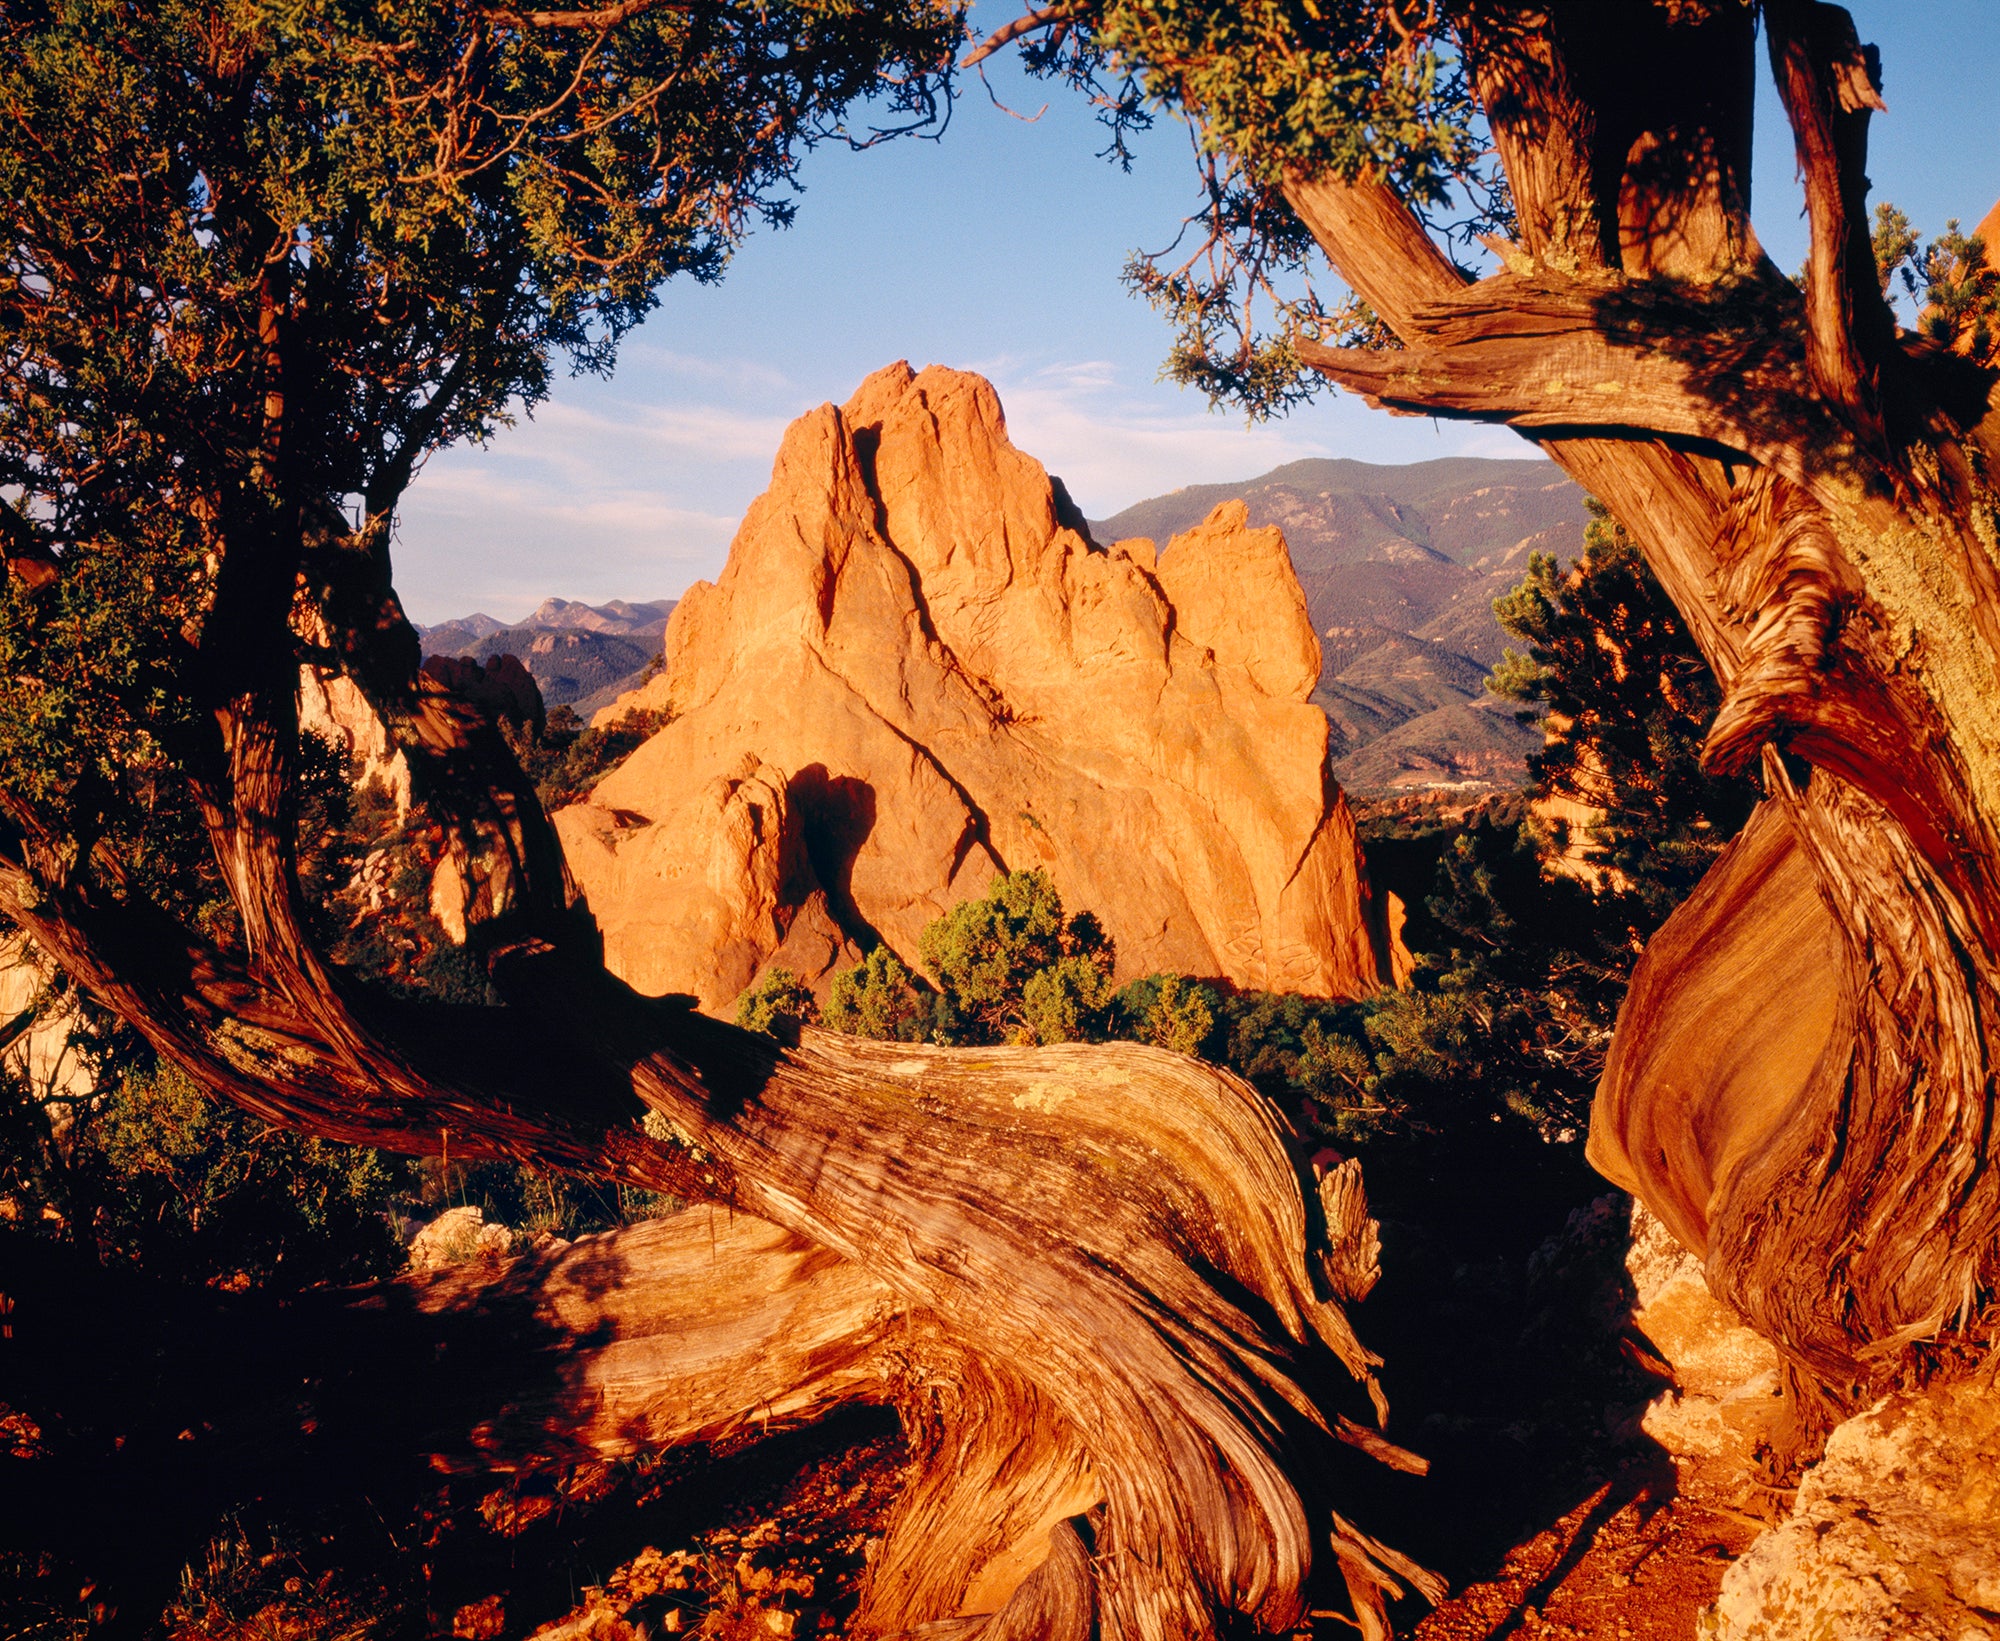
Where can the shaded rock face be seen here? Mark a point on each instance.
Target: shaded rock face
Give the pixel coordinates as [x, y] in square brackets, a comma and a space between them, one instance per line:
[917, 670]
[334, 707]
[1895, 1535]
[502, 688]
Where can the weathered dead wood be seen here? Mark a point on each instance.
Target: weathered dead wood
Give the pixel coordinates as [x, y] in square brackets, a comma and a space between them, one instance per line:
[1829, 84]
[1605, 355]
[1791, 1076]
[1546, 128]
[694, 1328]
[1098, 1303]
[1124, 1230]
[1724, 1031]
[1000, 1470]
[1376, 245]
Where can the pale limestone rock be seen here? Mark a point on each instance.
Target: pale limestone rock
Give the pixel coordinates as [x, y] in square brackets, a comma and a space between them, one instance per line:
[457, 1236]
[42, 1055]
[1727, 1375]
[1895, 1535]
[451, 898]
[915, 671]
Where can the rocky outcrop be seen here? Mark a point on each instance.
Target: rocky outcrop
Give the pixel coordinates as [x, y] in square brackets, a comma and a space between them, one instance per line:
[501, 688]
[35, 1030]
[917, 670]
[1895, 1535]
[1725, 1396]
[453, 721]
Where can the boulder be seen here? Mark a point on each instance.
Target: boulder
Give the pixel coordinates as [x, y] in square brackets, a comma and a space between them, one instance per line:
[917, 670]
[457, 1236]
[1726, 1394]
[1895, 1535]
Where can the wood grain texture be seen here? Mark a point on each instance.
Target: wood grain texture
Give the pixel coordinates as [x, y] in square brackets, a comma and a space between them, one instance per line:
[1802, 1081]
[1094, 1281]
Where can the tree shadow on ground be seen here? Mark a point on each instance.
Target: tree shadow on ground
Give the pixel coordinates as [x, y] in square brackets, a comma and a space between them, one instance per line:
[174, 1446]
[1503, 1314]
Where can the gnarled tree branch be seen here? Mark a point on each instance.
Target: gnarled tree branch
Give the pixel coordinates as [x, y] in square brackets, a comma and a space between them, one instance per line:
[1829, 82]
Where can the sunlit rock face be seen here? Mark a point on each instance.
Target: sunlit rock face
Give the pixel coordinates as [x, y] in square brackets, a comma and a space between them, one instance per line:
[1895, 1535]
[917, 670]
[1725, 1397]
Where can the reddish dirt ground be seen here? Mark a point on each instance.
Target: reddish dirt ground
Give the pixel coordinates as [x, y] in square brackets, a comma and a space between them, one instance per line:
[771, 1548]
[1623, 1563]
[1637, 1558]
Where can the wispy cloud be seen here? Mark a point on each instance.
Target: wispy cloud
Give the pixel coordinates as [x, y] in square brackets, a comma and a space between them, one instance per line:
[607, 494]
[577, 504]
[570, 437]
[738, 375]
[1116, 442]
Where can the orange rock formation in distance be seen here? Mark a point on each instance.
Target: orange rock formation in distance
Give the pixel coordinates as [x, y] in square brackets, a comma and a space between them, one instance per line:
[916, 670]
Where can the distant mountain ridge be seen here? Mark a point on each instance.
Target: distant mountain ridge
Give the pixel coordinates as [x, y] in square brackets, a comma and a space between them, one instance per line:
[1400, 566]
[580, 655]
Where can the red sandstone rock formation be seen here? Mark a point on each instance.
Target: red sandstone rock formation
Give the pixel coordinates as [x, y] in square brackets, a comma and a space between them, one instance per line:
[501, 688]
[916, 670]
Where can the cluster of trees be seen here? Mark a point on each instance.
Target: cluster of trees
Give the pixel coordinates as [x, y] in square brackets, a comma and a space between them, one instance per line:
[565, 757]
[1010, 968]
[1014, 967]
[150, 1173]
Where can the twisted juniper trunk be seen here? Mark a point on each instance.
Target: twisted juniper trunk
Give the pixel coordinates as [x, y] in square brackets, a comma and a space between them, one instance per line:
[1818, 496]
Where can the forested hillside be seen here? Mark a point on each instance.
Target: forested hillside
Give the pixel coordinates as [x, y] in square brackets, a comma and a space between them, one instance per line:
[1401, 566]
[581, 655]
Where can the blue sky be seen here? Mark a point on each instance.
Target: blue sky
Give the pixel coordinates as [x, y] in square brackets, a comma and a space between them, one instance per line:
[998, 250]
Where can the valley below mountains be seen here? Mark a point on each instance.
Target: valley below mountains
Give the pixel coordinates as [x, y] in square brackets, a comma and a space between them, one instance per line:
[1400, 566]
